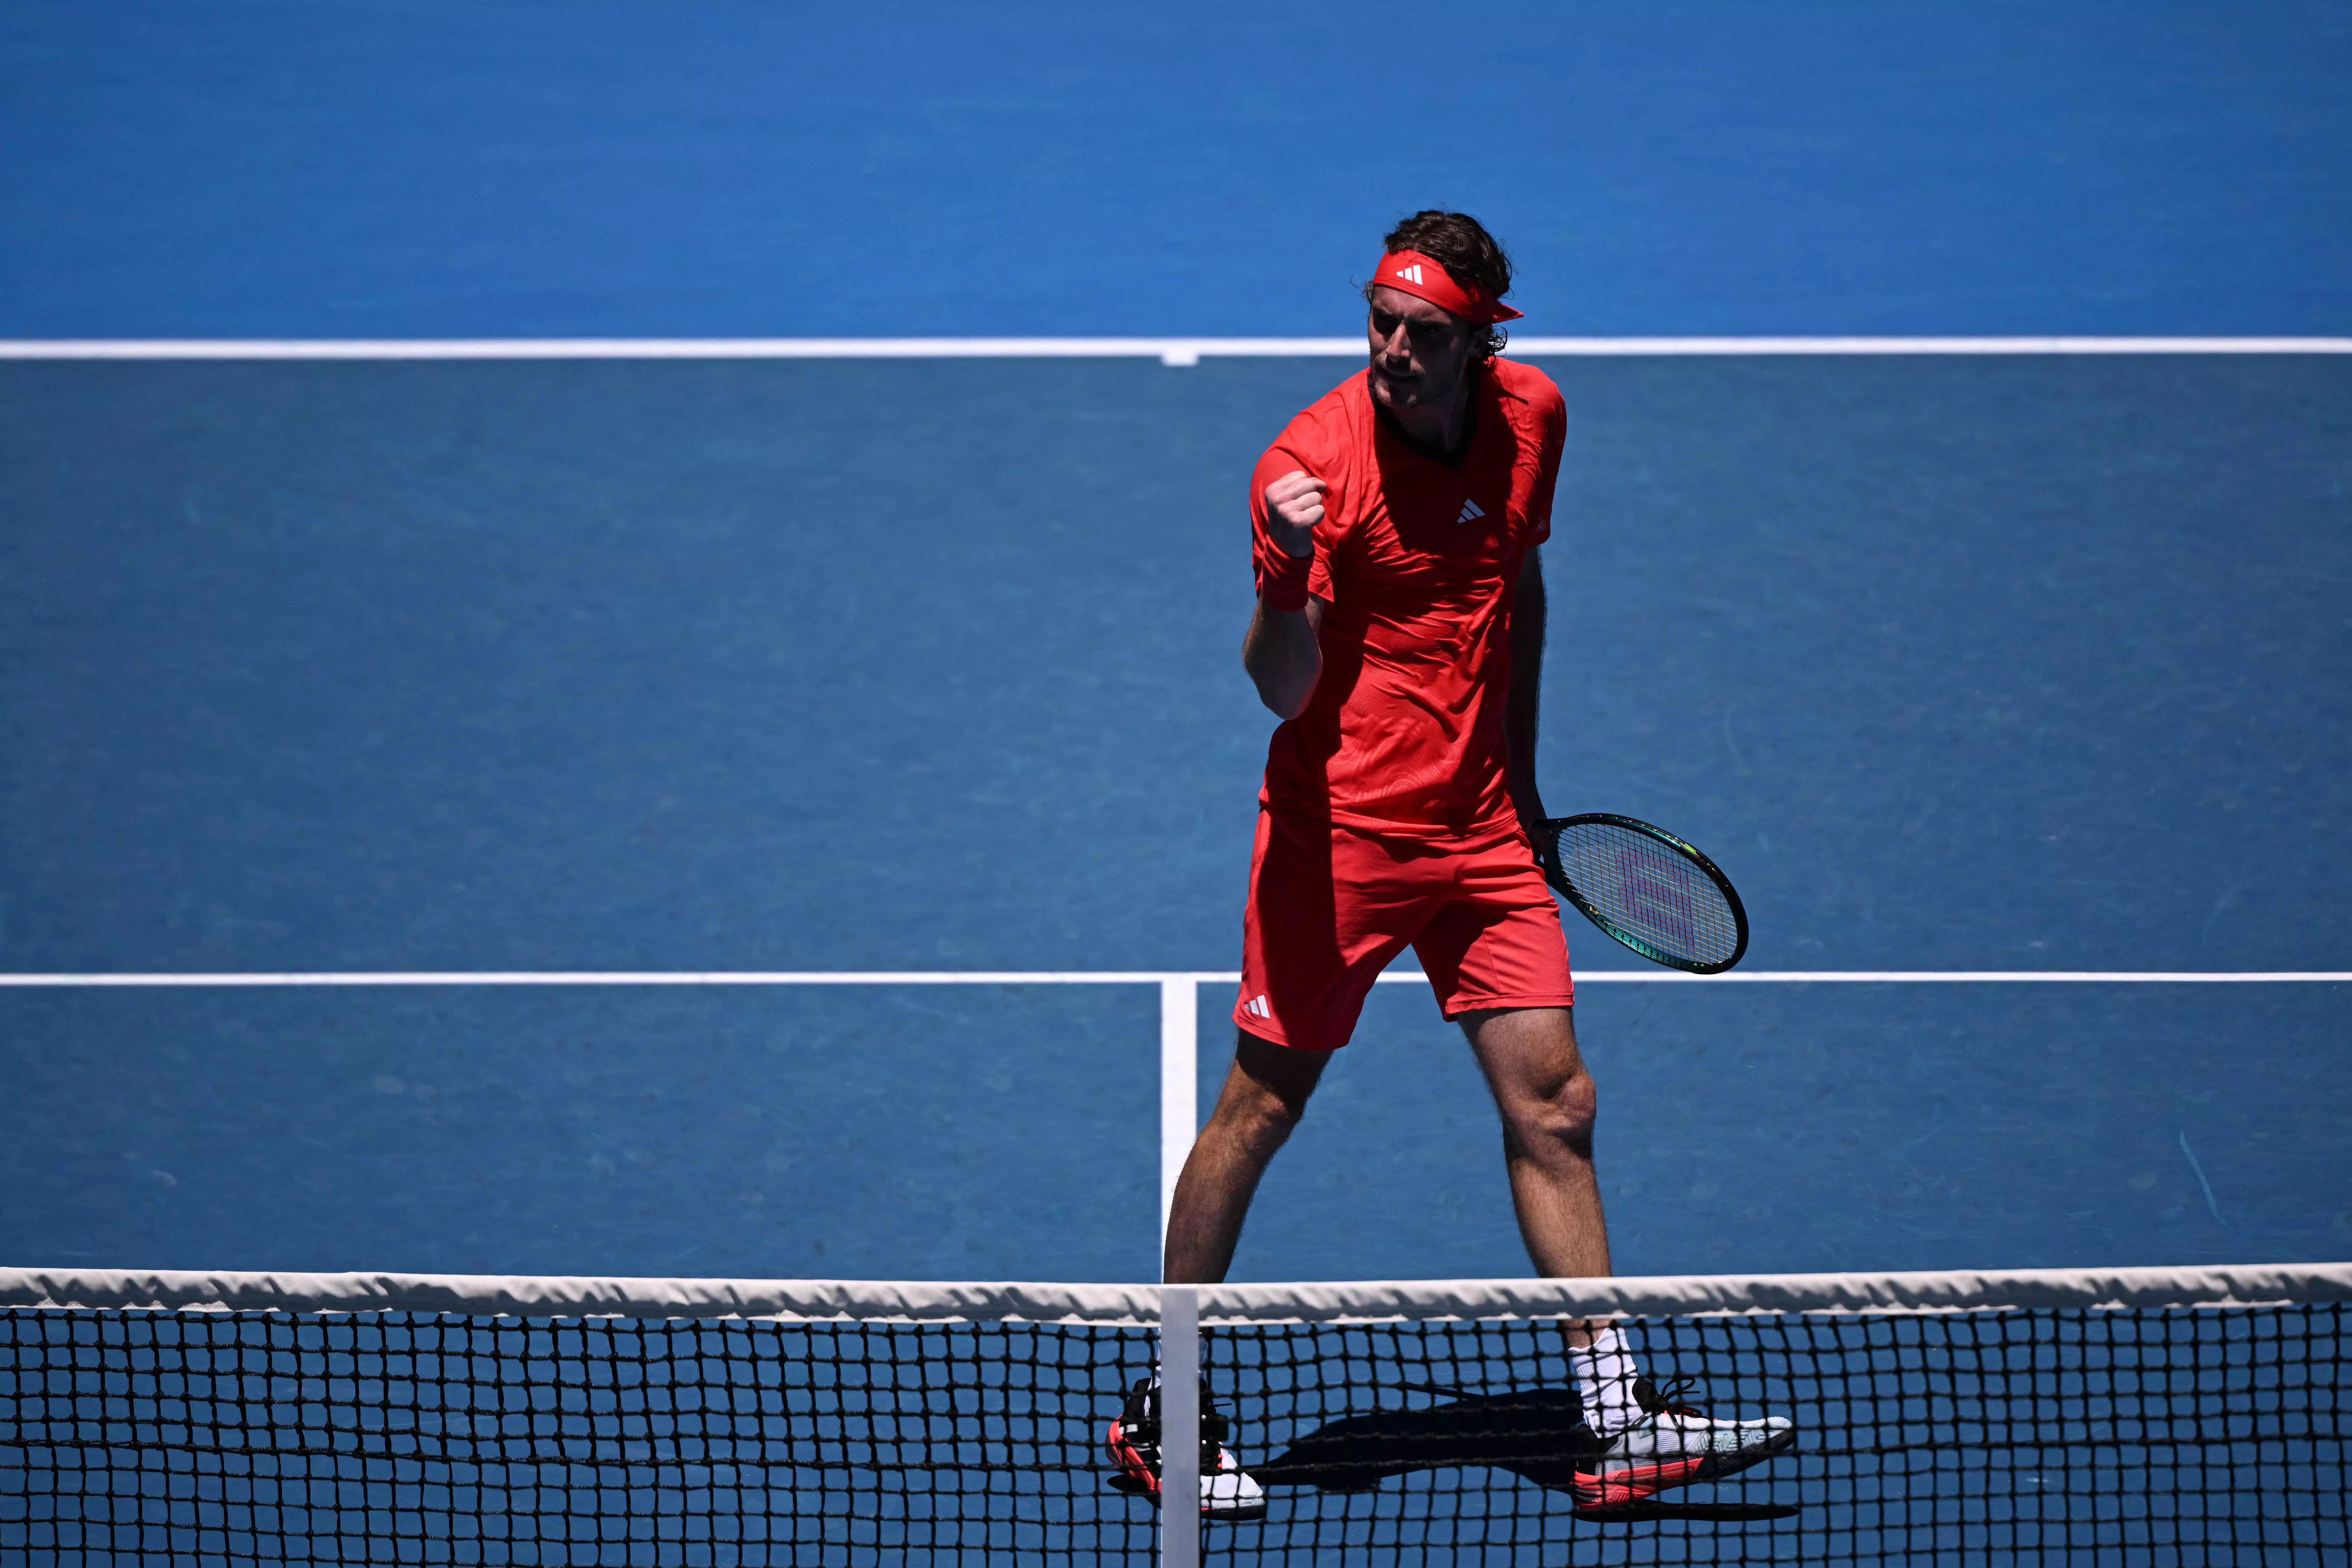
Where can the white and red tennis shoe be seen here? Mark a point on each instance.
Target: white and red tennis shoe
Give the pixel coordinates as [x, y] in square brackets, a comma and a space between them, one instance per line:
[1227, 1492]
[1673, 1445]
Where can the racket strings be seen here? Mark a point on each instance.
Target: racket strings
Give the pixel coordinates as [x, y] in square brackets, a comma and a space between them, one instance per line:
[1649, 892]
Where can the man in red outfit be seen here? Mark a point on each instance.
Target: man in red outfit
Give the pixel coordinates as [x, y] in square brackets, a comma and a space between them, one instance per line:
[1398, 636]
[1398, 633]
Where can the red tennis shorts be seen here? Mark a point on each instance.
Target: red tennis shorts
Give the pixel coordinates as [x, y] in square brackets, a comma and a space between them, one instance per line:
[1329, 907]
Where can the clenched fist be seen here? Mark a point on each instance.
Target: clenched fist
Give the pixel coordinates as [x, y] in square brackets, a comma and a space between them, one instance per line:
[1294, 505]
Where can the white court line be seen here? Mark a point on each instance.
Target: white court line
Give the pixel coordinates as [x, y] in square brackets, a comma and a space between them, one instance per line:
[1168, 350]
[1159, 977]
[1179, 1000]
[1179, 1117]
[628, 978]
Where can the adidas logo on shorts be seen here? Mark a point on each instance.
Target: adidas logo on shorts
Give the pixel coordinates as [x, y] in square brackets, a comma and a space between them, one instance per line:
[1257, 1008]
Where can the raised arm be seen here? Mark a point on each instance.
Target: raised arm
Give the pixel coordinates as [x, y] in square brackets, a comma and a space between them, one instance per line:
[1280, 650]
[1528, 613]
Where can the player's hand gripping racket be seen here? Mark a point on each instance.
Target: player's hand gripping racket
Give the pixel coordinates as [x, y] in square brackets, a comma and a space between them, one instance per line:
[1647, 889]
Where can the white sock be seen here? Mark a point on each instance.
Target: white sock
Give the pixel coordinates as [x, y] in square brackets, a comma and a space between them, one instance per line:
[1604, 1381]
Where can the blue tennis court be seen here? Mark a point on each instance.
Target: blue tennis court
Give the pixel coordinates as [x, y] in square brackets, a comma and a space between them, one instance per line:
[329, 655]
[1956, 663]
[1953, 662]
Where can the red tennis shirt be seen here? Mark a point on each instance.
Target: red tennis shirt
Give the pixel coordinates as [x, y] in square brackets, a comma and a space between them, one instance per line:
[1418, 563]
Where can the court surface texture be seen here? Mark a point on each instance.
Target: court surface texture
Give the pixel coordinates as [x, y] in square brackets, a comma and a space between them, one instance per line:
[1955, 662]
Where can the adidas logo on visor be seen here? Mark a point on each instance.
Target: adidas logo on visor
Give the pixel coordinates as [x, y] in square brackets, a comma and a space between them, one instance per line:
[1469, 511]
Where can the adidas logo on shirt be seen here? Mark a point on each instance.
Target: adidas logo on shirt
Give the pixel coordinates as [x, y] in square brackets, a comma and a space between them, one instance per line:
[1470, 512]
[1257, 1008]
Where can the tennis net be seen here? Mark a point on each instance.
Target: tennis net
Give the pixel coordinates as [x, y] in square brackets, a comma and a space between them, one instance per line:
[2186, 1416]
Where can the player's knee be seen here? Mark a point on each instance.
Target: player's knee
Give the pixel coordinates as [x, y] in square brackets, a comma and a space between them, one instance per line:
[1267, 1093]
[1558, 1115]
[1271, 1115]
[1577, 1106]
[1257, 1116]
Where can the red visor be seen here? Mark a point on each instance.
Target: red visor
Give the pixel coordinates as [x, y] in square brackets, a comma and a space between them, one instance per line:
[1410, 272]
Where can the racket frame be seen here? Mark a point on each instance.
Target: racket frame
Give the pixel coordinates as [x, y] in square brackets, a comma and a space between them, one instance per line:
[1547, 853]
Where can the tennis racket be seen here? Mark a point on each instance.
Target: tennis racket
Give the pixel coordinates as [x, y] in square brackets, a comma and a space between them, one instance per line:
[1647, 889]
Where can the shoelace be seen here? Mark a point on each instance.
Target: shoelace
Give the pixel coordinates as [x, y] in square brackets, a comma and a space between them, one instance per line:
[1140, 1422]
[1662, 1401]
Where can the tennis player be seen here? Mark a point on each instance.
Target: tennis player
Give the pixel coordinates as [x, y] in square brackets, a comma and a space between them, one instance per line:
[1398, 636]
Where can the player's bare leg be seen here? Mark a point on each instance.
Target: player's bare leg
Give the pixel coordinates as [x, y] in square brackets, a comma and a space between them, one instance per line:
[1649, 1440]
[1547, 1101]
[1265, 1095]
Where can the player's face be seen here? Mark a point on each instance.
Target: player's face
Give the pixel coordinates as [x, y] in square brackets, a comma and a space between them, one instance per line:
[1419, 351]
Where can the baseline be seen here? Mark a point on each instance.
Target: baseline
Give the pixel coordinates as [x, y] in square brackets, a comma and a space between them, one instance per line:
[1175, 352]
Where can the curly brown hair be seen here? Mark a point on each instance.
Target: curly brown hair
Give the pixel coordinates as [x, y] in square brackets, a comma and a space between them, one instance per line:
[1470, 257]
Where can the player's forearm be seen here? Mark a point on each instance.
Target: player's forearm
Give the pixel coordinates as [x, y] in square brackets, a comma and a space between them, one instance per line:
[1528, 612]
[1283, 658]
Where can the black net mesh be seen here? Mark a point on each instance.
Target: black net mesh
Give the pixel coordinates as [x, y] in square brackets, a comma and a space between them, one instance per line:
[2179, 1436]
[200, 1437]
[2184, 1436]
